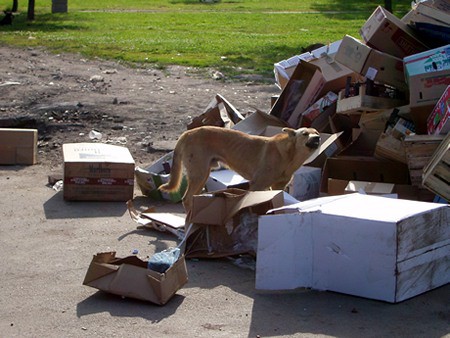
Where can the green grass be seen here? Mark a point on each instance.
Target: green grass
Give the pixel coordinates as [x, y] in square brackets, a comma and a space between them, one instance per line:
[250, 34]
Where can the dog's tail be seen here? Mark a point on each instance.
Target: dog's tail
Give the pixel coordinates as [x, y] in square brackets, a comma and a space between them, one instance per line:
[175, 173]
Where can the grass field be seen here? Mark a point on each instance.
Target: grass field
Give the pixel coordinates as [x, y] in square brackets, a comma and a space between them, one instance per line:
[248, 35]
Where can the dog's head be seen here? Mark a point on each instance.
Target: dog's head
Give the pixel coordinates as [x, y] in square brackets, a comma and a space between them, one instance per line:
[304, 137]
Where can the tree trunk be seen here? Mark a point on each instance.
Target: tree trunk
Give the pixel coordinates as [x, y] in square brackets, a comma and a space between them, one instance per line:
[388, 5]
[15, 6]
[30, 15]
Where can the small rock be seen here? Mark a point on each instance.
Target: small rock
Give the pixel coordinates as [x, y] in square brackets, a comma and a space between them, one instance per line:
[96, 78]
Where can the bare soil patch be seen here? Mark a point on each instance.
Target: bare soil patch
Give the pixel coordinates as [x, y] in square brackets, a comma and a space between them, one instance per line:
[146, 109]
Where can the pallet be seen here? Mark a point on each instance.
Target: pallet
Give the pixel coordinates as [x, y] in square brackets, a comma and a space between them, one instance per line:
[436, 175]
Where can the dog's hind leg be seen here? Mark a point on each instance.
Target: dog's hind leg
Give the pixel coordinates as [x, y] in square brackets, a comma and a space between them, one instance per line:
[196, 183]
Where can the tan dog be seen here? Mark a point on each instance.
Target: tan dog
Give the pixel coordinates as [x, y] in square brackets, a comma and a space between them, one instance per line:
[267, 162]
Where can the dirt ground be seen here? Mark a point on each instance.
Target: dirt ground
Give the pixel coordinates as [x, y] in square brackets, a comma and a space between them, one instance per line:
[48, 243]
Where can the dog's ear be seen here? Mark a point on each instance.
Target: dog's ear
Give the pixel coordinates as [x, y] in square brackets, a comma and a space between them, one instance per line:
[291, 132]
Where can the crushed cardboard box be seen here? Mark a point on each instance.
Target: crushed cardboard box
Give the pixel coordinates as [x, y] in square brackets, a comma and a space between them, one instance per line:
[224, 223]
[130, 277]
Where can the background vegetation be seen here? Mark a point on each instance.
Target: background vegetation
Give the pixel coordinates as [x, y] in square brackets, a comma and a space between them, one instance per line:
[231, 35]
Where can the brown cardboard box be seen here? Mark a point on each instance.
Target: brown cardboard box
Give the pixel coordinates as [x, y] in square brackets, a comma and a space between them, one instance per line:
[438, 121]
[130, 277]
[18, 146]
[371, 63]
[423, 12]
[226, 222]
[303, 88]
[428, 75]
[387, 33]
[97, 172]
[323, 57]
[363, 168]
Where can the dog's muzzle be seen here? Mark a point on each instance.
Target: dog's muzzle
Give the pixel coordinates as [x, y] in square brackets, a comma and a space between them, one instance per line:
[313, 141]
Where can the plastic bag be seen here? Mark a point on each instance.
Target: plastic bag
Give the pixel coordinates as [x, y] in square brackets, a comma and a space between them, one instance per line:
[163, 260]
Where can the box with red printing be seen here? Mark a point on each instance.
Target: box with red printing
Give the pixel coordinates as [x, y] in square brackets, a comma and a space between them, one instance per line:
[439, 120]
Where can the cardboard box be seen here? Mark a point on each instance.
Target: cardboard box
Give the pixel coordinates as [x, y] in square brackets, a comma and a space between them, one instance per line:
[97, 172]
[224, 179]
[438, 121]
[219, 112]
[260, 123]
[150, 178]
[365, 102]
[436, 174]
[387, 33]
[367, 246]
[305, 183]
[363, 169]
[419, 149]
[391, 148]
[371, 63]
[428, 75]
[225, 222]
[323, 57]
[320, 106]
[130, 277]
[302, 90]
[18, 146]
[424, 13]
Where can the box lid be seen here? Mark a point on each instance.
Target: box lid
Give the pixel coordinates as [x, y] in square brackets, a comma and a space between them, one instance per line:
[361, 206]
[96, 152]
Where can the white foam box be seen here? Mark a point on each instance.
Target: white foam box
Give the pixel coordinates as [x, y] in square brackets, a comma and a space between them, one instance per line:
[97, 172]
[368, 246]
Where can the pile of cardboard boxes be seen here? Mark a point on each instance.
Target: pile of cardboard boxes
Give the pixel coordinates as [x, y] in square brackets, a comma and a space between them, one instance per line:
[380, 102]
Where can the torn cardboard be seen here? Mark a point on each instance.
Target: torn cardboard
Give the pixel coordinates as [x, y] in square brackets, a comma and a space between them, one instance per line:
[225, 222]
[130, 277]
[219, 112]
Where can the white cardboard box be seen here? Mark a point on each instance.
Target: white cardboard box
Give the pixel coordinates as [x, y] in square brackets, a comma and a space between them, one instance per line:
[368, 246]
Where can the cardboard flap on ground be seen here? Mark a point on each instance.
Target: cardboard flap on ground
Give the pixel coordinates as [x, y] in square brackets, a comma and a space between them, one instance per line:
[130, 277]
[225, 223]
[387, 33]
[160, 221]
[368, 246]
[371, 63]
